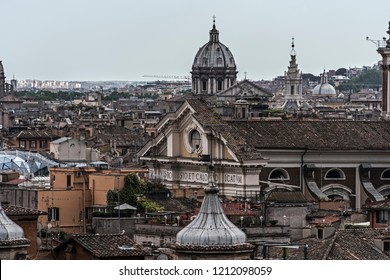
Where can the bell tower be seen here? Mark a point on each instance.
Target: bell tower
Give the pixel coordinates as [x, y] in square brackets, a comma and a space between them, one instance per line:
[293, 77]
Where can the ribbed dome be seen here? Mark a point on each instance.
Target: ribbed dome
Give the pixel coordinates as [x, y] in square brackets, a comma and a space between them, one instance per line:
[324, 88]
[214, 53]
[211, 226]
[8, 229]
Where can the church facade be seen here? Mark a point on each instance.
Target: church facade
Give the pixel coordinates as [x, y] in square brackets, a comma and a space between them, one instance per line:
[191, 139]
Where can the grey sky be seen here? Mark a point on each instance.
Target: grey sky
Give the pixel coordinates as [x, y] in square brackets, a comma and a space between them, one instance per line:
[125, 39]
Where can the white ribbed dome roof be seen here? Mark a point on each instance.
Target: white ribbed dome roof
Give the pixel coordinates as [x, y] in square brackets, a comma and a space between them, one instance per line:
[324, 88]
[9, 230]
[211, 226]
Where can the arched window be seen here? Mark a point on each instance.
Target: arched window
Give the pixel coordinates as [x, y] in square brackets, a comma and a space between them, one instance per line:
[334, 174]
[279, 174]
[195, 140]
[385, 175]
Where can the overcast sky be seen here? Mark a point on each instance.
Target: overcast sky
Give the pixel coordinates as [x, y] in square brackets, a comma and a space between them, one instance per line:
[126, 39]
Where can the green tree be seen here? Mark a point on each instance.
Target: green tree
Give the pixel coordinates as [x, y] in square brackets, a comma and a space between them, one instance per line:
[129, 193]
[368, 79]
[134, 191]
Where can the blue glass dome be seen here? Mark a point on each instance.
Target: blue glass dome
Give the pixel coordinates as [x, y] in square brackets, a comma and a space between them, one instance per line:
[25, 162]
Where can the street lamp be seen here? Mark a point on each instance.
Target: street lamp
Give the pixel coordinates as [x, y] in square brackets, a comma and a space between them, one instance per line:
[165, 218]
[242, 220]
[261, 220]
[178, 220]
[284, 220]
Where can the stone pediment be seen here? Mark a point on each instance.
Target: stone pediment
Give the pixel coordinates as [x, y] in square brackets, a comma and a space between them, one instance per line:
[244, 90]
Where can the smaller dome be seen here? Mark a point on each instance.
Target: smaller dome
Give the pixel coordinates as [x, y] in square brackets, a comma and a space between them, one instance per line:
[324, 88]
[9, 230]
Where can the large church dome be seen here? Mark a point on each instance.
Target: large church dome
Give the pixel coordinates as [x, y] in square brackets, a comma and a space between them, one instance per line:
[214, 53]
[214, 68]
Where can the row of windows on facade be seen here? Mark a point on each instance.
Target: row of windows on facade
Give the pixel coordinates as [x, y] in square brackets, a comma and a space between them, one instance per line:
[53, 213]
[219, 85]
[332, 174]
[33, 144]
[219, 60]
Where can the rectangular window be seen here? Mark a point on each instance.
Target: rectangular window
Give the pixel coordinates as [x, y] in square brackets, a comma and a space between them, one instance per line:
[22, 144]
[204, 86]
[68, 180]
[33, 144]
[53, 213]
[219, 85]
[43, 144]
[292, 90]
[320, 233]
[386, 246]
[381, 216]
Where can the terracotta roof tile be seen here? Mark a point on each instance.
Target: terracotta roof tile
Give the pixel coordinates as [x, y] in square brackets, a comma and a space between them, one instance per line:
[109, 245]
[11, 210]
[287, 197]
[316, 135]
[356, 244]
[385, 204]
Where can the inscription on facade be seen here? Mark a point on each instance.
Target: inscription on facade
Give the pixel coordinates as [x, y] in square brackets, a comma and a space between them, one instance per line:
[200, 177]
[233, 178]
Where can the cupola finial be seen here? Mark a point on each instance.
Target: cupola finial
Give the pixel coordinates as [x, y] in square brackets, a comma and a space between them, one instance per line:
[293, 53]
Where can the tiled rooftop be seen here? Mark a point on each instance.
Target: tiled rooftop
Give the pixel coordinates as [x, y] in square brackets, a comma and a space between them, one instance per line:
[246, 138]
[356, 244]
[316, 135]
[385, 204]
[11, 210]
[34, 134]
[290, 197]
[109, 245]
